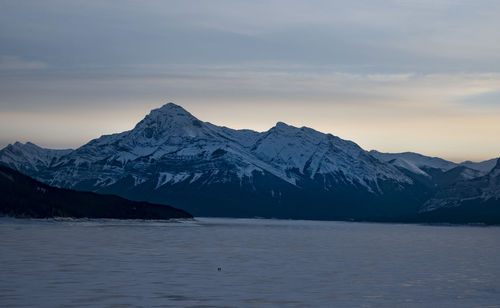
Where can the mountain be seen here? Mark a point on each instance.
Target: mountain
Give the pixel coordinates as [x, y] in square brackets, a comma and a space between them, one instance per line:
[172, 157]
[171, 134]
[29, 157]
[433, 172]
[415, 162]
[477, 190]
[286, 172]
[22, 196]
[420, 164]
[484, 166]
[474, 200]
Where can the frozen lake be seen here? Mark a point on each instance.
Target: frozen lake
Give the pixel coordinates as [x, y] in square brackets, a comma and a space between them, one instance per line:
[264, 263]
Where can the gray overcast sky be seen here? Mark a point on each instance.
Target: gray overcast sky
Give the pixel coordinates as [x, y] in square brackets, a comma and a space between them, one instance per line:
[394, 75]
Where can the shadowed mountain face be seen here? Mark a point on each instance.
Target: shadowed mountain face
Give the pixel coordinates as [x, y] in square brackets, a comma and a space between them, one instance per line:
[22, 196]
[286, 172]
[485, 189]
[469, 201]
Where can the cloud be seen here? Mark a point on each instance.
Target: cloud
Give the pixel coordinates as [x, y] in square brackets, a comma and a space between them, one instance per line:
[240, 85]
[15, 63]
[490, 99]
[375, 36]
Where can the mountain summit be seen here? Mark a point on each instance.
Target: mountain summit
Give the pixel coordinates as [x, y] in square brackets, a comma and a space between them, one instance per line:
[169, 120]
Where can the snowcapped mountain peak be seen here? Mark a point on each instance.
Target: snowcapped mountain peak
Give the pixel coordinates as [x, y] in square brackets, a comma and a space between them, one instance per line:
[31, 149]
[286, 130]
[27, 145]
[168, 112]
[29, 156]
[283, 125]
[170, 108]
[171, 120]
[282, 128]
[305, 152]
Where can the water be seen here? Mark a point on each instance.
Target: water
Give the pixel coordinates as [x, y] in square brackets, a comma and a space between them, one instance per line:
[264, 263]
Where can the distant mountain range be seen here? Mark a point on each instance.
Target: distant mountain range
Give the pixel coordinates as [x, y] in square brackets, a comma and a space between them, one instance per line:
[286, 172]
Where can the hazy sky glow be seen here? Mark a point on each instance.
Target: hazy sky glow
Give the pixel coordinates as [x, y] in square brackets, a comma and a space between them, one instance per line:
[394, 76]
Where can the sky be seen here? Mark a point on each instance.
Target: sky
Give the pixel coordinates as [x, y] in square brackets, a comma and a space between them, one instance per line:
[391, 75]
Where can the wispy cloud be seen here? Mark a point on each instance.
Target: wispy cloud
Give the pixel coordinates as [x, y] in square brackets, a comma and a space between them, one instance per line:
[378, 36]
[16, 63]
[488, 100]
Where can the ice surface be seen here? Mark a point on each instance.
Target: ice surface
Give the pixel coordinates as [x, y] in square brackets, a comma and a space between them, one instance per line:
[263, 263]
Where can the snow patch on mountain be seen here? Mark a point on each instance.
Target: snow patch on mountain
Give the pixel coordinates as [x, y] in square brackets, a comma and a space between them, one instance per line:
[171, 178]
[415, 159]
[402, 163]
[196, 177]
[138, 180]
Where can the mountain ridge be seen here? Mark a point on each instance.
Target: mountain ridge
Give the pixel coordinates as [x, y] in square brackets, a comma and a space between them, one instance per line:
[173, 157]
